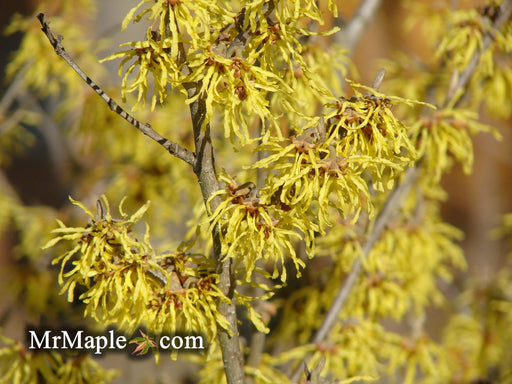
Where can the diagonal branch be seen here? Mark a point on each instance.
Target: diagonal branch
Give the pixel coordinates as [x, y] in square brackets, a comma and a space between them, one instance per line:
[173, 148]
[392, 205]
[399, 193]
[352, 32]
[397, 196]
[504, 13]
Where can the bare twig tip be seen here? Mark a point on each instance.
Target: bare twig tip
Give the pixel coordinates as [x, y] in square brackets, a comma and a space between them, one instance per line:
[173, 148]
[379, 79]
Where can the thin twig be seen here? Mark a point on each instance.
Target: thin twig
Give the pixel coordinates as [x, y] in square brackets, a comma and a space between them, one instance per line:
[173, 148]
[393, 203]
[10, 93]
[352, 32]
[397, 196]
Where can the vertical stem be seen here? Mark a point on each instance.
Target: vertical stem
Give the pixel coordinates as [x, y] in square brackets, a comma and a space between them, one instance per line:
[205, 171]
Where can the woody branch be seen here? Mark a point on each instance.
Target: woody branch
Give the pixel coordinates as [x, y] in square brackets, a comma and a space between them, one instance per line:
[173, 148]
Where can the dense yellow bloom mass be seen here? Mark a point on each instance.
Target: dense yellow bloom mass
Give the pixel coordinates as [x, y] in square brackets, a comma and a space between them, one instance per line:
[238, 59]
[258, 74]
[359, 142]
[127, 284]
[20, 366]
[252, 230]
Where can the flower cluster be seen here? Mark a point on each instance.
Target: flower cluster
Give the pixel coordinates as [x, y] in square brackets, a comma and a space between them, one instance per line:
[458, 35]
[128, 285]
[444, 136]
[22, 366]
[237, 59]
[329, 166]
[252, 229]
[256, 73]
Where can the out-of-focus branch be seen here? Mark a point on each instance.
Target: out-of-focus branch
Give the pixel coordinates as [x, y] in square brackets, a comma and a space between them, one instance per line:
[256, 348]
[504, 13]
[351, 33]
[392, 205]
[399, 193]
[174, 148]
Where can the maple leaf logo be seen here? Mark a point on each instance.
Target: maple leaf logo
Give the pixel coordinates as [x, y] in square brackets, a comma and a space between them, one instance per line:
[143, 344]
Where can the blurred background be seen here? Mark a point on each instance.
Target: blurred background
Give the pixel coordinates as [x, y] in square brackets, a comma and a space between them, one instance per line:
[475, 202]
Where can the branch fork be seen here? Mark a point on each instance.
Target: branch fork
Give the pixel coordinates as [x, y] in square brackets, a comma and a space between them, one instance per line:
[173, 148]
